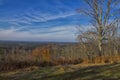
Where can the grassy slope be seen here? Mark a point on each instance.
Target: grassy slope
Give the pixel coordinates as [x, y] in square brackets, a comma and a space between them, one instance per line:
[73, 72]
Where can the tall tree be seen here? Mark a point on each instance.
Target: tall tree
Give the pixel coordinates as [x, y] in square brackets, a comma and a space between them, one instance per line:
[104, 17]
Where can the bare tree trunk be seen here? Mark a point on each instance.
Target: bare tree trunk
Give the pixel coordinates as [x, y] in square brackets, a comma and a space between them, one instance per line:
[104, 28]
[100, 43]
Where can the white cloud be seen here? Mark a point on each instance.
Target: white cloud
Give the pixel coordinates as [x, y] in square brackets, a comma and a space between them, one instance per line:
[63, 33]
[35, 16]
[56, 33]
[43, 17]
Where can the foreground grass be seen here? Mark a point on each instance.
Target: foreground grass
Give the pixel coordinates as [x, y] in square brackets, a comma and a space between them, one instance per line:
[71, 72]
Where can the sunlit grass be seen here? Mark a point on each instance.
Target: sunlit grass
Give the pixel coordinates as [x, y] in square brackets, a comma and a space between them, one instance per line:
[70, 72]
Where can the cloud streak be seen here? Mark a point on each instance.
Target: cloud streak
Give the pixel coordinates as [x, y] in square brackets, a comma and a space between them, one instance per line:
[38, 20]
[32, 16]
[59, 33]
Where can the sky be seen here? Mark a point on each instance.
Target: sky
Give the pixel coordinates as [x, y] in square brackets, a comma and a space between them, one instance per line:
[40, 20]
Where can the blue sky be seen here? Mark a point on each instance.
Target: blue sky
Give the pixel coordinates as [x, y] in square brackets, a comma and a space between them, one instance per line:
[40, 20]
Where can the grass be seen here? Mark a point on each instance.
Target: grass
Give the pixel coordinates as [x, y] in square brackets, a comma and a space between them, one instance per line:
[69, 72]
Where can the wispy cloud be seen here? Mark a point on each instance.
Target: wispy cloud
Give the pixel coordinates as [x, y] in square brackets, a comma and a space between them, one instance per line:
[59, 33]
[44, 17]
[35, 16]
[38, 20]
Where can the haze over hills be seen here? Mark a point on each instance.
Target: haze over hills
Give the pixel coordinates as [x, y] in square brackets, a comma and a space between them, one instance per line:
[59, 39]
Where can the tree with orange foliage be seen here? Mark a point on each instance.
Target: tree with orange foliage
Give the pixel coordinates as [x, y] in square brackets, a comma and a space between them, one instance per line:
[42, 54]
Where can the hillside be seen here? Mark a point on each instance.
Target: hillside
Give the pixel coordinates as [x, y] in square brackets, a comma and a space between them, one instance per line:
[69, 72]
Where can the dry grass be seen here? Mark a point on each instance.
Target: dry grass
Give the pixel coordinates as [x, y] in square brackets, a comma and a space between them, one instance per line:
[68, 72]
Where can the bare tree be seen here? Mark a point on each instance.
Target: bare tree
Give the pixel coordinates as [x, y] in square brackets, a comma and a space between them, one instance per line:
[104, 17]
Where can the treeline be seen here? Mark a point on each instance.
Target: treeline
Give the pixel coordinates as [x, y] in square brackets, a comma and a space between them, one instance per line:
[56, 54]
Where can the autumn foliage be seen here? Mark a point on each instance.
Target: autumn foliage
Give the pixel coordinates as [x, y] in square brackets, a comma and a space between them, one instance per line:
[41, 54]
[57, 54]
